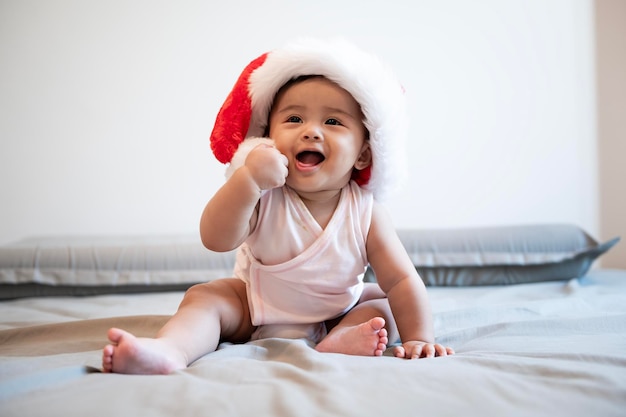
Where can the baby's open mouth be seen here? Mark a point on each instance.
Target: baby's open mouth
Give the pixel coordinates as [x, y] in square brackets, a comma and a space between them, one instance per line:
[310, 158]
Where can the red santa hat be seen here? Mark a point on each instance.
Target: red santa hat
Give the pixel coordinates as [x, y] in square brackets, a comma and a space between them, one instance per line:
[243, 118]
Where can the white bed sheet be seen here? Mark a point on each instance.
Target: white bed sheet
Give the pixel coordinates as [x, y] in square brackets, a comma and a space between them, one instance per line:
[554, 348]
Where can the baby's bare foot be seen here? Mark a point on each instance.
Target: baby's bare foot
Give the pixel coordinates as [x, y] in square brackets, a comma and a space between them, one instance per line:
[365, 339]
[127, 354]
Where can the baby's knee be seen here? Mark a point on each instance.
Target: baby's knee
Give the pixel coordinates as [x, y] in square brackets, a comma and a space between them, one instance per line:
[217, 291]
[201, 294]
[372, 291]
[196, 291]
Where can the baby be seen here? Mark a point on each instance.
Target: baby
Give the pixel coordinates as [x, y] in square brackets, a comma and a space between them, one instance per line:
[302, 207]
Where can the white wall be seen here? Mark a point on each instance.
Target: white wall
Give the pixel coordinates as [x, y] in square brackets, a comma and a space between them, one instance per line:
[610, 23]
[106, 107]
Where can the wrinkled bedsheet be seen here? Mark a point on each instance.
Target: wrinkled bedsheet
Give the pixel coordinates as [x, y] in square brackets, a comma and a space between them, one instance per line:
[545, 349]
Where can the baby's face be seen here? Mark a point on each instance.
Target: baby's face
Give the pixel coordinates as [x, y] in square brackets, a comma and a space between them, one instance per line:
[318, 126]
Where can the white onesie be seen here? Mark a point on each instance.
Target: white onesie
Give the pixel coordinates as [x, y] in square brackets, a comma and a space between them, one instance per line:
[297, 274]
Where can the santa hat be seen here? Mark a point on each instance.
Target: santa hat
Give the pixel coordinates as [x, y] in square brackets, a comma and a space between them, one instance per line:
[243, 118]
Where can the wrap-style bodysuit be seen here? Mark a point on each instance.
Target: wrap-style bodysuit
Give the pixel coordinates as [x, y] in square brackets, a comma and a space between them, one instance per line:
[297, 274]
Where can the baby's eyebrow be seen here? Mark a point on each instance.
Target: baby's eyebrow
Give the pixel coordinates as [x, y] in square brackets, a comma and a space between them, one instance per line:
[300, 107]
[290, 107]
[337, 110]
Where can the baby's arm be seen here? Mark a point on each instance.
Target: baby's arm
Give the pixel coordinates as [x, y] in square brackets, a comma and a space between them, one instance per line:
[405, 290]
[230, 215]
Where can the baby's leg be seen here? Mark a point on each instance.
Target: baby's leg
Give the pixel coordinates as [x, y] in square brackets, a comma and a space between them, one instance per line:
[365, 330]
[209, 312]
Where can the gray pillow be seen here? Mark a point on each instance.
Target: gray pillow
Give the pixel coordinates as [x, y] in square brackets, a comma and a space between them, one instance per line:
[501, 255]
[100, 265]
[106, 265]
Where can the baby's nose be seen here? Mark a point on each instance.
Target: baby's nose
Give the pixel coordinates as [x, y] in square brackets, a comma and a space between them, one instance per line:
[312, 134]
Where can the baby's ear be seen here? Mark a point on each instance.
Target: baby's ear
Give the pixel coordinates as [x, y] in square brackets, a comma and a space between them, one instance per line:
[239, 158]
[365, 157]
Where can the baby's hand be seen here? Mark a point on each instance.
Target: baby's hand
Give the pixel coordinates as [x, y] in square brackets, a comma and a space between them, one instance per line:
[267, 166]
[417, 349]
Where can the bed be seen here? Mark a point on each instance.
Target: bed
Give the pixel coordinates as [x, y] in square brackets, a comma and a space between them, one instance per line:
[539, 330]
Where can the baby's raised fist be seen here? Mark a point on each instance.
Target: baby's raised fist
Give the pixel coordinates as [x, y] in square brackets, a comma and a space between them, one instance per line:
[267, 166]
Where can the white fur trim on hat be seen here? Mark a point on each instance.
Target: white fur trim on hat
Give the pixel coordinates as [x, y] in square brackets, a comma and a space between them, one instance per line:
[365, 77]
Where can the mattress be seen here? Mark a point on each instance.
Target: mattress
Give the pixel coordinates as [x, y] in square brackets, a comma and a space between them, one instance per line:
[549, 348]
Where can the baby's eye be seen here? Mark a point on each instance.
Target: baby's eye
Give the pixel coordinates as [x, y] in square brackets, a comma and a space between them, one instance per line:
[332, 121]
[294, 119]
